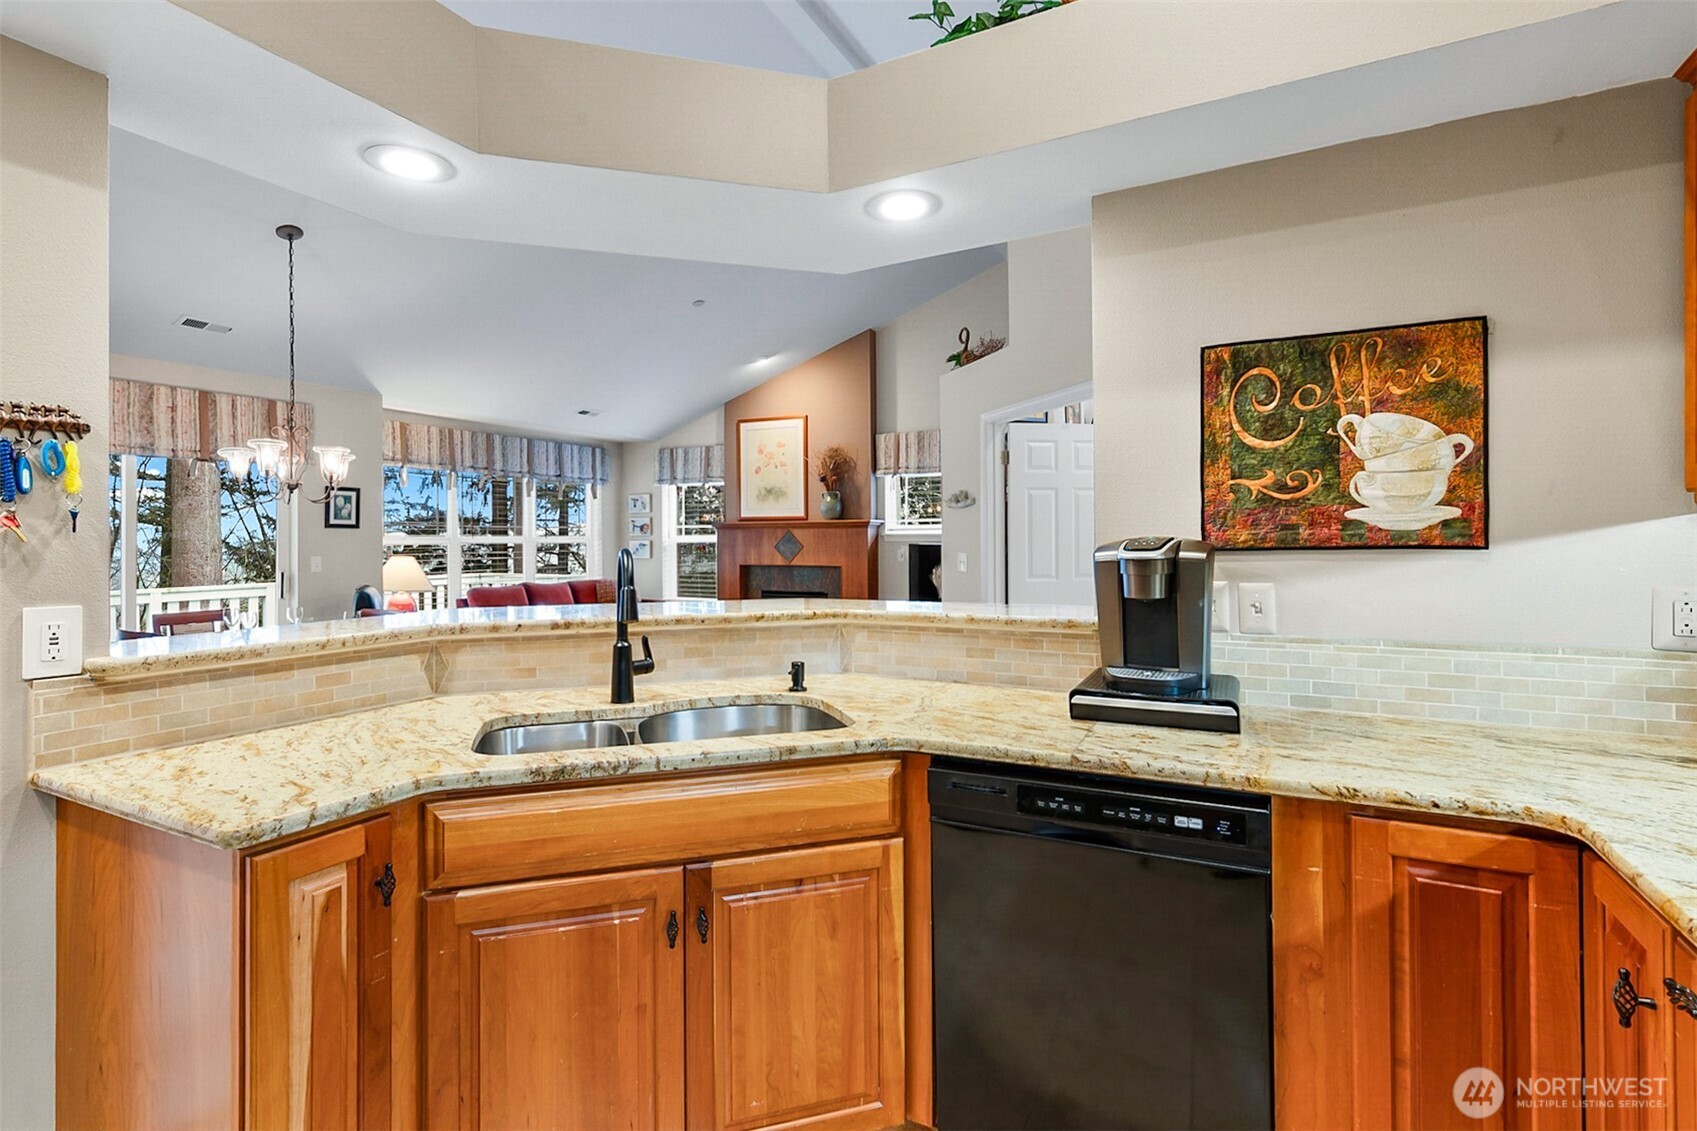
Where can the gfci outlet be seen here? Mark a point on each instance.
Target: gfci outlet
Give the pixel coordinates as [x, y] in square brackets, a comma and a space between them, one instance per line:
[1673, 620]
[52, 644]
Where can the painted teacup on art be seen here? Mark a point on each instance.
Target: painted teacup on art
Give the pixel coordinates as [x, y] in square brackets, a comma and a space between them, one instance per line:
[1394, 441]
[1400, 492]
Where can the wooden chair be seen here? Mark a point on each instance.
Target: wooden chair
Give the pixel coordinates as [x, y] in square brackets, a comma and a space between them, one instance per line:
[172, 624]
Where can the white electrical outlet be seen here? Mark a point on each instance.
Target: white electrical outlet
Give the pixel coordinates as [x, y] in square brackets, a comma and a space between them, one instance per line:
[315, 564]
[52, 643]
[1257, 612]
[1221, 620]
[1673, 619]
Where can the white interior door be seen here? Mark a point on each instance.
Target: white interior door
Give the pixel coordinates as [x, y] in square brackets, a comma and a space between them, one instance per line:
[1051, 514]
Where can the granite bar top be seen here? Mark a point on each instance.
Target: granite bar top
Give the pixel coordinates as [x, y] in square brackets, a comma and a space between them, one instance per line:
[135, 659]
[1631, 798]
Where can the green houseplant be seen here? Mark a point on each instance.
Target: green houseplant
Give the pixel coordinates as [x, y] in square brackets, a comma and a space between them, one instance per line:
[1006, 13]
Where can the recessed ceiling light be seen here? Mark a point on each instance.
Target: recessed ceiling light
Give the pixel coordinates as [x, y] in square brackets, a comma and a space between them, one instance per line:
[699, 302]
[589, 412]
[903, 205]
[409, 164]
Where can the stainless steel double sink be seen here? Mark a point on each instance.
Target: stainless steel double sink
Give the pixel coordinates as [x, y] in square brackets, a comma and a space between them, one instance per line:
[684, 724]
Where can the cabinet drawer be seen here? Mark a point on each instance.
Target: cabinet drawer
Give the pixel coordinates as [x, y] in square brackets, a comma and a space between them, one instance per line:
[480, 840]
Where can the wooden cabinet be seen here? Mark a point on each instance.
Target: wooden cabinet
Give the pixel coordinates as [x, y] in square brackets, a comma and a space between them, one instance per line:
[1464, 953]
[319, 988]
[557, 1003]
[1682, 997]
[1637, 1041]
[796, 989]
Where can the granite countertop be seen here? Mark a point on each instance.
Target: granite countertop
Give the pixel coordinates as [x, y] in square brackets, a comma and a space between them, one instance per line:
[134, 659]
[1632, 798]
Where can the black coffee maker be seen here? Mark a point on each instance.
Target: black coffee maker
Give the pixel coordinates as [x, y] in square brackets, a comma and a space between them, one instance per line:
[1154, 604]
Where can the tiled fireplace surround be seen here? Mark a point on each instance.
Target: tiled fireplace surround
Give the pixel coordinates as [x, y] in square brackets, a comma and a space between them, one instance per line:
[1568, 689]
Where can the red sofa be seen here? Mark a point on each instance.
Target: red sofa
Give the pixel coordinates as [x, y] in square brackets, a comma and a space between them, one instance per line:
[577, 591]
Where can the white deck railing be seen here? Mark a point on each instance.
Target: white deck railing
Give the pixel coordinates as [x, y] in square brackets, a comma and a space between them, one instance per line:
[257, 598]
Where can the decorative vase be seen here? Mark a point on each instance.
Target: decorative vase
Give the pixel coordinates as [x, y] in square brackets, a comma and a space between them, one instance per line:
[830, 504]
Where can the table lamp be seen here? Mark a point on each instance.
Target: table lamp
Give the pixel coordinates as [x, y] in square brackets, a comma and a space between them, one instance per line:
[402, 577]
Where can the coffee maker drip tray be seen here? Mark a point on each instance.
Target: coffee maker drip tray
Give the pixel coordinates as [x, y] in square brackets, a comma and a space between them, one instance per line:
[1211, 708]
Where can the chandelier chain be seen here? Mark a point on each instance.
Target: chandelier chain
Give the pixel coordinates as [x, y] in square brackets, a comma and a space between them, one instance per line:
[291, 413]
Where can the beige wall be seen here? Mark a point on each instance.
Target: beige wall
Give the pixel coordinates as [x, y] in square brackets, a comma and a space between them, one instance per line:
[912, 354]
[1049, 349]
[350, 417]
[53, 281]
[653, 577]
[1561, 224]
[836, 392]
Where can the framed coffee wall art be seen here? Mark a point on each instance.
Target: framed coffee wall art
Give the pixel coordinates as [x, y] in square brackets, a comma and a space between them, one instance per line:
[772, 467]
[1361, 439]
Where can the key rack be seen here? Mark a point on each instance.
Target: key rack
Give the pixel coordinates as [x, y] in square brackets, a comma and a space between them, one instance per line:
[33, 420]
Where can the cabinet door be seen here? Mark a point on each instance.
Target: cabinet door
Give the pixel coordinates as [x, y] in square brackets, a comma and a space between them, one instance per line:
[1682, 997]
[318, 1010]
[1627, 950]
[557, 1003]
[796, 991]
[1464, 954]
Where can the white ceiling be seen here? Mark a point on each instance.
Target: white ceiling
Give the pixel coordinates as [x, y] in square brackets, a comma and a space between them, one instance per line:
[188, 84]
[488, 332]
[824, 38]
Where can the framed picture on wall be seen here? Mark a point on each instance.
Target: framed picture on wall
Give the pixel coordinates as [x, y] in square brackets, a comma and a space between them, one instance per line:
[641, 526]
[772, 467]
[641, 548]
[1352, 440]
[341, 509]
[639, 504]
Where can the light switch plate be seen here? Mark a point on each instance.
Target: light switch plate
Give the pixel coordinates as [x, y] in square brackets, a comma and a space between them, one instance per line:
[1257, 612]
[52, 641]
[1673, 619]
[1221, 620]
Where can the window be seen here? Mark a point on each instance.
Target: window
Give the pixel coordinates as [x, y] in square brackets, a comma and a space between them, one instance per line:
[470, 530]
[913, 502]
[694, 508]
[185, 534]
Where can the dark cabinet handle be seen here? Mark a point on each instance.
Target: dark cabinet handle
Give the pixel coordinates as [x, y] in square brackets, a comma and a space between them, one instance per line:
[701, 922]
[1626, 999]
[672, 930]
[386, 883]
[1684, 998]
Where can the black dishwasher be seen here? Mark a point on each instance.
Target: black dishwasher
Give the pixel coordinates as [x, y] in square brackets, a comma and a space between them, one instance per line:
[1101, 951]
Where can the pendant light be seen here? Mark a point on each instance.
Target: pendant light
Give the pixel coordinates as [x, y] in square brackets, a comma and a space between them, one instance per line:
[280, 459]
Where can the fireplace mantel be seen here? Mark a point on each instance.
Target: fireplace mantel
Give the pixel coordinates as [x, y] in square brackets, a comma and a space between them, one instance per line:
[848, 545]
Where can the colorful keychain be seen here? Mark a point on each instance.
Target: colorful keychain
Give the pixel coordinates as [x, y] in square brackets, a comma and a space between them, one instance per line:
[9, 491]
[23, 473]
[52, 459]
[73, 481]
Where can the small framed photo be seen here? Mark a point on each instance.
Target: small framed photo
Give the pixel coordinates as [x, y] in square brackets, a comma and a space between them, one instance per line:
[642, 526]
[639, 504]
[641, 548]
[341, 509]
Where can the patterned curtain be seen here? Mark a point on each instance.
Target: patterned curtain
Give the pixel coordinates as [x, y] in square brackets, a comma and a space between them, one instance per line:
[903, 453]
[167, 420]
[703, 463]
[440, 447]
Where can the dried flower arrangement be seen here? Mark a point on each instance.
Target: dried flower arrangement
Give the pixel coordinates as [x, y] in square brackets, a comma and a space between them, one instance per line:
[970, 353]
[831, 465]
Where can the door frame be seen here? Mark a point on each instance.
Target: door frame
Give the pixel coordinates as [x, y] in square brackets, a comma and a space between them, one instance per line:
[993, 481]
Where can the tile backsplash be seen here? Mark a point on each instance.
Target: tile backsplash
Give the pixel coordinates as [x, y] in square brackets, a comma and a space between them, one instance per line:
[1564, 688]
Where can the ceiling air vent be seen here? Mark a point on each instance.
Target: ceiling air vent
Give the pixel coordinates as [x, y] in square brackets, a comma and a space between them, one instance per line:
[203, 324]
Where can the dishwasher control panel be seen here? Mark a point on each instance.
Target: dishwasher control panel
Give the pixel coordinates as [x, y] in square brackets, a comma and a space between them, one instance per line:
[1173, 818]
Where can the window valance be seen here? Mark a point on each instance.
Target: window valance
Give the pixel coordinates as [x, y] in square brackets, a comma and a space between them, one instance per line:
[908, 453]
[441, 447]
[702, 463]
[168, 420]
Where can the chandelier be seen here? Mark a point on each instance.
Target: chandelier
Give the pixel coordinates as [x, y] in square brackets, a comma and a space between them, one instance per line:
[280, 458]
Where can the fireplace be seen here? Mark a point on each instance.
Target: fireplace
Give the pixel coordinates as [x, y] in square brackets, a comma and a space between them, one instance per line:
[775, 581]
[798, 559]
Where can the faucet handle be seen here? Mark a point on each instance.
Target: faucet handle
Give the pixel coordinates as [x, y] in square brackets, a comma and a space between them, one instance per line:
[798, 676]
[645, 665]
